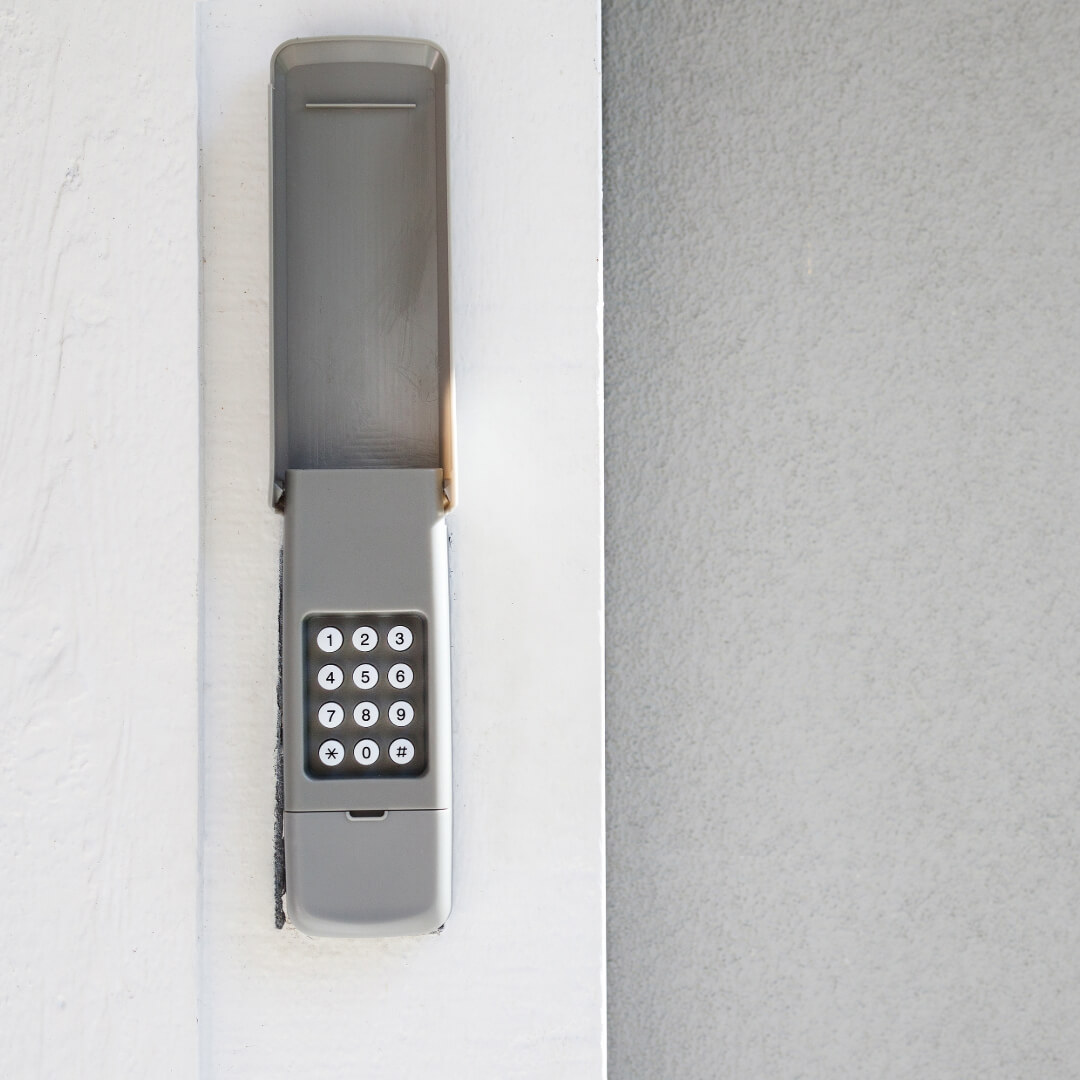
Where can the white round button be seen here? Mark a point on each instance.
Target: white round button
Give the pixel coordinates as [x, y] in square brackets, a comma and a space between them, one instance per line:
[401, 751]
[399, 638]
[401, 713]
[329, 639]
[330, 677]
[331, 753]
[364, 639]
[366, 676]
[366, 713]
[400, 676]
[331, 714]
[366, 752]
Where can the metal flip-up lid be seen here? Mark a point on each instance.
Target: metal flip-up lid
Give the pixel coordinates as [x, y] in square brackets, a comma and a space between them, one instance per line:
[362, 374]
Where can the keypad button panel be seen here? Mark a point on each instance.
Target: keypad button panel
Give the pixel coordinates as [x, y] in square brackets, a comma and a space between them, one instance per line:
[380, 669]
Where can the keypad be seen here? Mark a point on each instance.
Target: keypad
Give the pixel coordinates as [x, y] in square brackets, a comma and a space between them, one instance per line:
[365, 694]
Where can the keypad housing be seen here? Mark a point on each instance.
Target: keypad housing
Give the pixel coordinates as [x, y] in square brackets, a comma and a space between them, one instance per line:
[332, 741]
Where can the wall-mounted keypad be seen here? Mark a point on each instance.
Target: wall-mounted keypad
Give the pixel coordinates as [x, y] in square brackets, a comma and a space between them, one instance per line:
[365, 694]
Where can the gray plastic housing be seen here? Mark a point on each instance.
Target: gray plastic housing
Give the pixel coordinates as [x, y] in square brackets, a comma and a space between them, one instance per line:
[362, 449]
[366, 540]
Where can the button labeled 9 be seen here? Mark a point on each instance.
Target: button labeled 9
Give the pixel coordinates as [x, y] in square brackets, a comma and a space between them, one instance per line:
[401, 714]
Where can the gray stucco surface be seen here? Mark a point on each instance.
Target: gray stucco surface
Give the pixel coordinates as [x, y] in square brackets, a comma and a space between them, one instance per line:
[843, 391]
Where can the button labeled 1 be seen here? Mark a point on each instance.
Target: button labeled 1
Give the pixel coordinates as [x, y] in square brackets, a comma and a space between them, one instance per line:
[329, 639]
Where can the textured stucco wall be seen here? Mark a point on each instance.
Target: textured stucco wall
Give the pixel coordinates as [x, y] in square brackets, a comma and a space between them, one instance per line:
[99, 540]
[843, 391]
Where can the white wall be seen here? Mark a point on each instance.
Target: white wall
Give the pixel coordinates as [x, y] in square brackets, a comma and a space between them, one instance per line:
[99, 475]
[138, 909]
[514, 986]
[843, 390]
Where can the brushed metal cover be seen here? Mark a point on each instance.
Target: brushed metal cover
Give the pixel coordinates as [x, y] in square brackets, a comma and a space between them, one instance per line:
[362, 375]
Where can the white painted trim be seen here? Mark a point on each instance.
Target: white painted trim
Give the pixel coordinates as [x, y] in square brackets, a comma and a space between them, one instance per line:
[515, 984]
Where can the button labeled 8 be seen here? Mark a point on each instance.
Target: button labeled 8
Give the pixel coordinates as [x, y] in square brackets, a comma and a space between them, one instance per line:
[366, 713]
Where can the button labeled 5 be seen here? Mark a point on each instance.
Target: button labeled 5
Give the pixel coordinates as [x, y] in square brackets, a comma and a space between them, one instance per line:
[366, 676]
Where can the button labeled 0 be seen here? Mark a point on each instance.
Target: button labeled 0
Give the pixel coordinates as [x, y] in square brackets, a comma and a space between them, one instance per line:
[366, 752]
